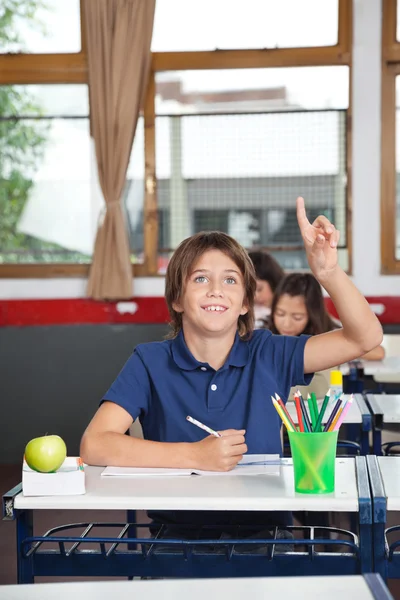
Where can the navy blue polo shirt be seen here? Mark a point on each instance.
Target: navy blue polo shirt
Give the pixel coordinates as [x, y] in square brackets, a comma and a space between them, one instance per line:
[162, 383]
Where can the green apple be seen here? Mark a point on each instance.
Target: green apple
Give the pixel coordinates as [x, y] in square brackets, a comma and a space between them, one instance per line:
[46, 454]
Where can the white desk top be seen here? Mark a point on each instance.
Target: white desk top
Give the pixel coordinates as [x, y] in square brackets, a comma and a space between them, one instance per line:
[353, 415]
[259, 492]
[390, 470]
[388, 406]
[292, 588]
[390, 365]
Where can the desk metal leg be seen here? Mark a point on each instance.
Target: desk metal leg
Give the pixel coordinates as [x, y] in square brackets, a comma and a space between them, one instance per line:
[379, 516]
[365, 514]
[377, 442]
[24, 530]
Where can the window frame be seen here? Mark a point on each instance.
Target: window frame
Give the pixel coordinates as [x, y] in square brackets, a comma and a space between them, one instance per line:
[390, 70]
[72, 68]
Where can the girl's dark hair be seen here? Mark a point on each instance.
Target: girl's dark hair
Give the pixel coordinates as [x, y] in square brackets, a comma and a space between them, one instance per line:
[182, 261]
[267, 268]
[305, 285]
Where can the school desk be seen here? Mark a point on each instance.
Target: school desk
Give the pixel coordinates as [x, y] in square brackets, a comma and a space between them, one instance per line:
[346, 587]
[386, 371]
[385, 410]
[112, 555]
[358, 416]
[384, 475]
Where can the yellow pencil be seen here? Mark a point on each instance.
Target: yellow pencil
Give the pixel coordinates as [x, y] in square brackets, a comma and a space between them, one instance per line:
[336, 419]
[282, 415]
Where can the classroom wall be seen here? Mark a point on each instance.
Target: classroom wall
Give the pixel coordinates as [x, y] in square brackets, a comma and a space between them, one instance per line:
[52, 378]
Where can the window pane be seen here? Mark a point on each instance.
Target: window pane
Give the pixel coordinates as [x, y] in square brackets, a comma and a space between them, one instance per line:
[397, 168]
[398, 21]
[37, 27]
[252, 90]
[182, 25]
[134, 195]
[241, 173]
[47, 196]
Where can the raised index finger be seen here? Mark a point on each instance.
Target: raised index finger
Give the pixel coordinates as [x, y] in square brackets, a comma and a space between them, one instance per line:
[301, 214]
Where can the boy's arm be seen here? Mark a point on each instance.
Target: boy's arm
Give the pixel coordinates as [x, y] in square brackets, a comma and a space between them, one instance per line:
[104, 443]
[377, 353]
[361, 330]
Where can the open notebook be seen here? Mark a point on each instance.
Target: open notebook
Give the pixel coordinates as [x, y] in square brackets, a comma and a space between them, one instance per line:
[251, 464]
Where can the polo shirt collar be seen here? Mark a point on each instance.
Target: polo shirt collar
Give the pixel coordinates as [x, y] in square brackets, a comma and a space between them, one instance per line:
[238, 356]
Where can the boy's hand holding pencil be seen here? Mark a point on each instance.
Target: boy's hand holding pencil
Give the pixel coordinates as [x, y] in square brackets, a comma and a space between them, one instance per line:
[219, 451]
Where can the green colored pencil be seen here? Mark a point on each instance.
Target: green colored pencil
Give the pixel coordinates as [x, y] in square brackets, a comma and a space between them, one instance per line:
[322, 411]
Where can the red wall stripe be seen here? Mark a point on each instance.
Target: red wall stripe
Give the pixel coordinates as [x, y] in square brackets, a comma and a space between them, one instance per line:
[148, 310]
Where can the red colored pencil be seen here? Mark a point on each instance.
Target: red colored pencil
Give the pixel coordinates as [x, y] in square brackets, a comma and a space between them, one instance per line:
[298, 411]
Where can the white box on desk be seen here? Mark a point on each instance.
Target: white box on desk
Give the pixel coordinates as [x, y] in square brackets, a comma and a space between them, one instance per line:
[68, 480]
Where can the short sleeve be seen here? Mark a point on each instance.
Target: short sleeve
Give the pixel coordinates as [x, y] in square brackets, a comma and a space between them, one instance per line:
[287, 355]
[131, 389]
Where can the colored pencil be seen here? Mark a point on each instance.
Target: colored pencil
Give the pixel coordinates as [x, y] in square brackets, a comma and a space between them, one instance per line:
[307, 423]
[298, 411]
[333, 414]
[322, 411]
[285, 410]
[345, 410]
[315, 409]
[281, 414]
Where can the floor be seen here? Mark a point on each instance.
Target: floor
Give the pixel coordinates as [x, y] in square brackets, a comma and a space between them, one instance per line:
[10, 476]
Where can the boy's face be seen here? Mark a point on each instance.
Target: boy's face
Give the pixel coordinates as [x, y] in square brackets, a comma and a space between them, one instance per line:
[213, 296]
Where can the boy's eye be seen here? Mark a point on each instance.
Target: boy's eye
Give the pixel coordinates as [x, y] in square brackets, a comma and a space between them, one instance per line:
[200, 279]
[230, 280]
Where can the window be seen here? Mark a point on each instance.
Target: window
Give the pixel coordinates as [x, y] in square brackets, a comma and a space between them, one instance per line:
[52, 27]
[226, 95]
[45, 175]
[229, 24]
[238, 147]
[390, 143]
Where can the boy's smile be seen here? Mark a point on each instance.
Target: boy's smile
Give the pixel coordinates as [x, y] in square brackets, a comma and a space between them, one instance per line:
[213, 297]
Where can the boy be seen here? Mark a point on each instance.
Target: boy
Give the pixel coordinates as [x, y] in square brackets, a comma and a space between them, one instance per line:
[218, 370]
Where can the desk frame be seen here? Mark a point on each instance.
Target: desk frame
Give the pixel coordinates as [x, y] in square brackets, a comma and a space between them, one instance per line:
[33, 561]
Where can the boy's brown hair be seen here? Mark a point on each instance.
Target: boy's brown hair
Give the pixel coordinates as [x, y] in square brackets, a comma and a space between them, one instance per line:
[181, 263]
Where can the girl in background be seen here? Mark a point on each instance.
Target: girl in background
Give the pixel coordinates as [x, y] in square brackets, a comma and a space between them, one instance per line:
[297, 308]
[269, 274]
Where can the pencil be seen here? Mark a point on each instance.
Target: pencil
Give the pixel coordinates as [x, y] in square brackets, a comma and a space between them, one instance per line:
[307, 424]
[285, 410]
[282, 414]
[344, 412]
[322, 411]
[202, 426]
[298, 411]
[333, 414]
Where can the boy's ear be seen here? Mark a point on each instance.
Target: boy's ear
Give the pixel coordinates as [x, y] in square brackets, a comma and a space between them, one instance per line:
[244, 309]
[177, 307]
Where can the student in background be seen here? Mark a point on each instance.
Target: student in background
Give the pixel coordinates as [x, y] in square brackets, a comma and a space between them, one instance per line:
[298, 308]
[217, 369]
[268, 275]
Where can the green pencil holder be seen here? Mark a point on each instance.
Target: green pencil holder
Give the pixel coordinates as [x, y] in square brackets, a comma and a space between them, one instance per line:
[313, 457]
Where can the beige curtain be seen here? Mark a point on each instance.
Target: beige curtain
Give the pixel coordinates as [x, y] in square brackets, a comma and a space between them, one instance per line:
[118, 36]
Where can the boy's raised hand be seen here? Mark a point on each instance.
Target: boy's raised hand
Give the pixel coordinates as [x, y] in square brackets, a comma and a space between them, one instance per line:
[320, 241]
[220, 454]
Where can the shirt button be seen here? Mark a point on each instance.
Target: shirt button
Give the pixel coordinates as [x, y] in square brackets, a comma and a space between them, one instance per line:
[203, 368]
[213, 387]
